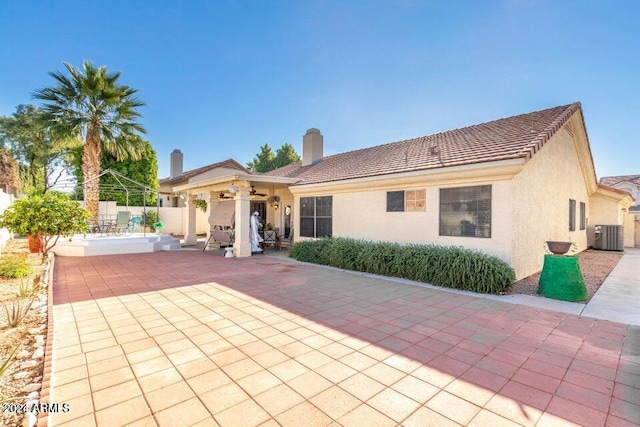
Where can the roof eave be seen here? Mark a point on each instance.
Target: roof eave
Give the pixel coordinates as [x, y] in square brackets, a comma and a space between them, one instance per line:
[233, 177]
[500, 169]
[617, 195]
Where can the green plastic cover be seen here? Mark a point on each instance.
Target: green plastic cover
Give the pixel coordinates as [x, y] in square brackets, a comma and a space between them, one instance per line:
[562, 279]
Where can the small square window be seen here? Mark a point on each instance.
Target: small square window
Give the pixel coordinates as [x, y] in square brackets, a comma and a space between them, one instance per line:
[395, 201]
[415, 200]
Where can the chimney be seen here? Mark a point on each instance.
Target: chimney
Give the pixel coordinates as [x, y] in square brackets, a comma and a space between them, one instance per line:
[312, 143]
[176, 163]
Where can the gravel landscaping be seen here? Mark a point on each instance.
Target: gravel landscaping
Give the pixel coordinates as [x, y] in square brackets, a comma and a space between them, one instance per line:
[595, 266]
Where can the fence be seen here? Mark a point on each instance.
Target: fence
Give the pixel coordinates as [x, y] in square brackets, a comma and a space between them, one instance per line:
[172, 218]
[5, 201]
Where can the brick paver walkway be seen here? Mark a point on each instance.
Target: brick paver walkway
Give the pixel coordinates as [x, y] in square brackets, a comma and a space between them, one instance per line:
[191, 338]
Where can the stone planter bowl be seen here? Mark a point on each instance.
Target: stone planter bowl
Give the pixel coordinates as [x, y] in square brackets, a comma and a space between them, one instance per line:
[559, 248]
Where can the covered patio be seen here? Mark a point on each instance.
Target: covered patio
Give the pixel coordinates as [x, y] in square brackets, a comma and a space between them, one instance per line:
[242, 189]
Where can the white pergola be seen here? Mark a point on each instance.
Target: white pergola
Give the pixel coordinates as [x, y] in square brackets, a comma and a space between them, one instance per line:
[241, 184]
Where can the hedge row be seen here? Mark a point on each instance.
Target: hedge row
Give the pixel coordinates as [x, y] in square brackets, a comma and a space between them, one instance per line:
[448, 266]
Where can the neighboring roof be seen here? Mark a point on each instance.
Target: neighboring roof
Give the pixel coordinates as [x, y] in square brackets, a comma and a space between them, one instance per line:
[616, 194]
[613, 180]
[510, 138]
[229, 164]
[614, 190]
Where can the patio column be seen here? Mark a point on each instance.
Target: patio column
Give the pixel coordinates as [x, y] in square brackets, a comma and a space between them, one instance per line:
[241, 245]
[190, 237]
[213, 198]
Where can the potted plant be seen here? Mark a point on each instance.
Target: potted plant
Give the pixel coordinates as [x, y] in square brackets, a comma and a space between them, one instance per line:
[36, 244]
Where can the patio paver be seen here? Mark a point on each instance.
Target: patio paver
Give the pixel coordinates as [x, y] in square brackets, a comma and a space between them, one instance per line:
[191, 338]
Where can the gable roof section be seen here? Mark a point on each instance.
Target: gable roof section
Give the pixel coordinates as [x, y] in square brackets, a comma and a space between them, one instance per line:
[510, 138]
[229, 164]
[613, 180]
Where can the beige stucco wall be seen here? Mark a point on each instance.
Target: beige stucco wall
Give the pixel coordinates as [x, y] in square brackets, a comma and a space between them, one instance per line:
[527, 209]
[540, 202]
[213, 173]
[606, 211]
[172, 218]
[629, 230]
[530, 203]
[363, 215]
[359, 210]
[275, 216]
[6, 200]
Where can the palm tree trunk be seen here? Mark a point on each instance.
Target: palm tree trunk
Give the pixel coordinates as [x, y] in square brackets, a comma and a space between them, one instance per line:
[90, 172]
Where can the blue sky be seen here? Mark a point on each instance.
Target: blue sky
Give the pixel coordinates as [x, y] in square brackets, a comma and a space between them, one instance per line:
[221, 78]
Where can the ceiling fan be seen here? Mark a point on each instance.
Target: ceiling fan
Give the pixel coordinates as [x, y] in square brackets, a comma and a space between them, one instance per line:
[254, 193]
[224, 196]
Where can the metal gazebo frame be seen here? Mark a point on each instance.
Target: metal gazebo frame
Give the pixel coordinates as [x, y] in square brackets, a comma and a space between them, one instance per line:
[144, 190]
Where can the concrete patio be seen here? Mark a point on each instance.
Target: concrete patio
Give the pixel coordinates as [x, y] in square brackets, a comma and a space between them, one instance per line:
[191, 338]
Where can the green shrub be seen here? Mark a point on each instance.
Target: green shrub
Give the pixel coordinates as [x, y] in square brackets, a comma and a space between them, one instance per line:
[18, 312]
[150, 218]
[13, 266]
[49, 216]
[448, 266]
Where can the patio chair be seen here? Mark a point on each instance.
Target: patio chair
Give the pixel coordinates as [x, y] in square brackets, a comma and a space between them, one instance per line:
[93, 226]
[134, 224]
[271, 238]
[122, 222]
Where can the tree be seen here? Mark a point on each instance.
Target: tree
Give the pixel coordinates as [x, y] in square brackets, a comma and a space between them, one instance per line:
[285, 156]
[144, 171]
[263, 161]
[50, 216]
[266, 161]
[8, 169]
[91, 104]
[41, 155]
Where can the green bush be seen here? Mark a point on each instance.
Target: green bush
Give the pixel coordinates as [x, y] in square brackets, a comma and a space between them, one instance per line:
[448, 266]
[49, 216]
[150, 218]
[14, 266]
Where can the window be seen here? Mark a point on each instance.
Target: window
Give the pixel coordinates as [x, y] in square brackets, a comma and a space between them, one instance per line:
[583, 216]
[316, 216]
[409, 201]
[415, 200]
[572, 215]
[395, 201]
[465, 211]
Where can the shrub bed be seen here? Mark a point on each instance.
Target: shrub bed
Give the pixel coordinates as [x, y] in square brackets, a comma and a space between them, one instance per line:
[448, 266]
[14, 265]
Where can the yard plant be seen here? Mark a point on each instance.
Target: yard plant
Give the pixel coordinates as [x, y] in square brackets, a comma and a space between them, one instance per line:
[448, 266]
[47, 216]
[91, 104]
[13, 266]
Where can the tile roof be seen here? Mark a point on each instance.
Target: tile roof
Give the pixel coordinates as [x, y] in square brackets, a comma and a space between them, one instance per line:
[613, 180]
[614, 190]
[229, 163]
[510, 138]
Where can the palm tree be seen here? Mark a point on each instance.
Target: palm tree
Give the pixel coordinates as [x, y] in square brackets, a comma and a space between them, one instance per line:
[92, 105]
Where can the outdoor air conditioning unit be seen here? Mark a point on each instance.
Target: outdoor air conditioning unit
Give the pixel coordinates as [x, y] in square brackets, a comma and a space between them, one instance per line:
[609, 237]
